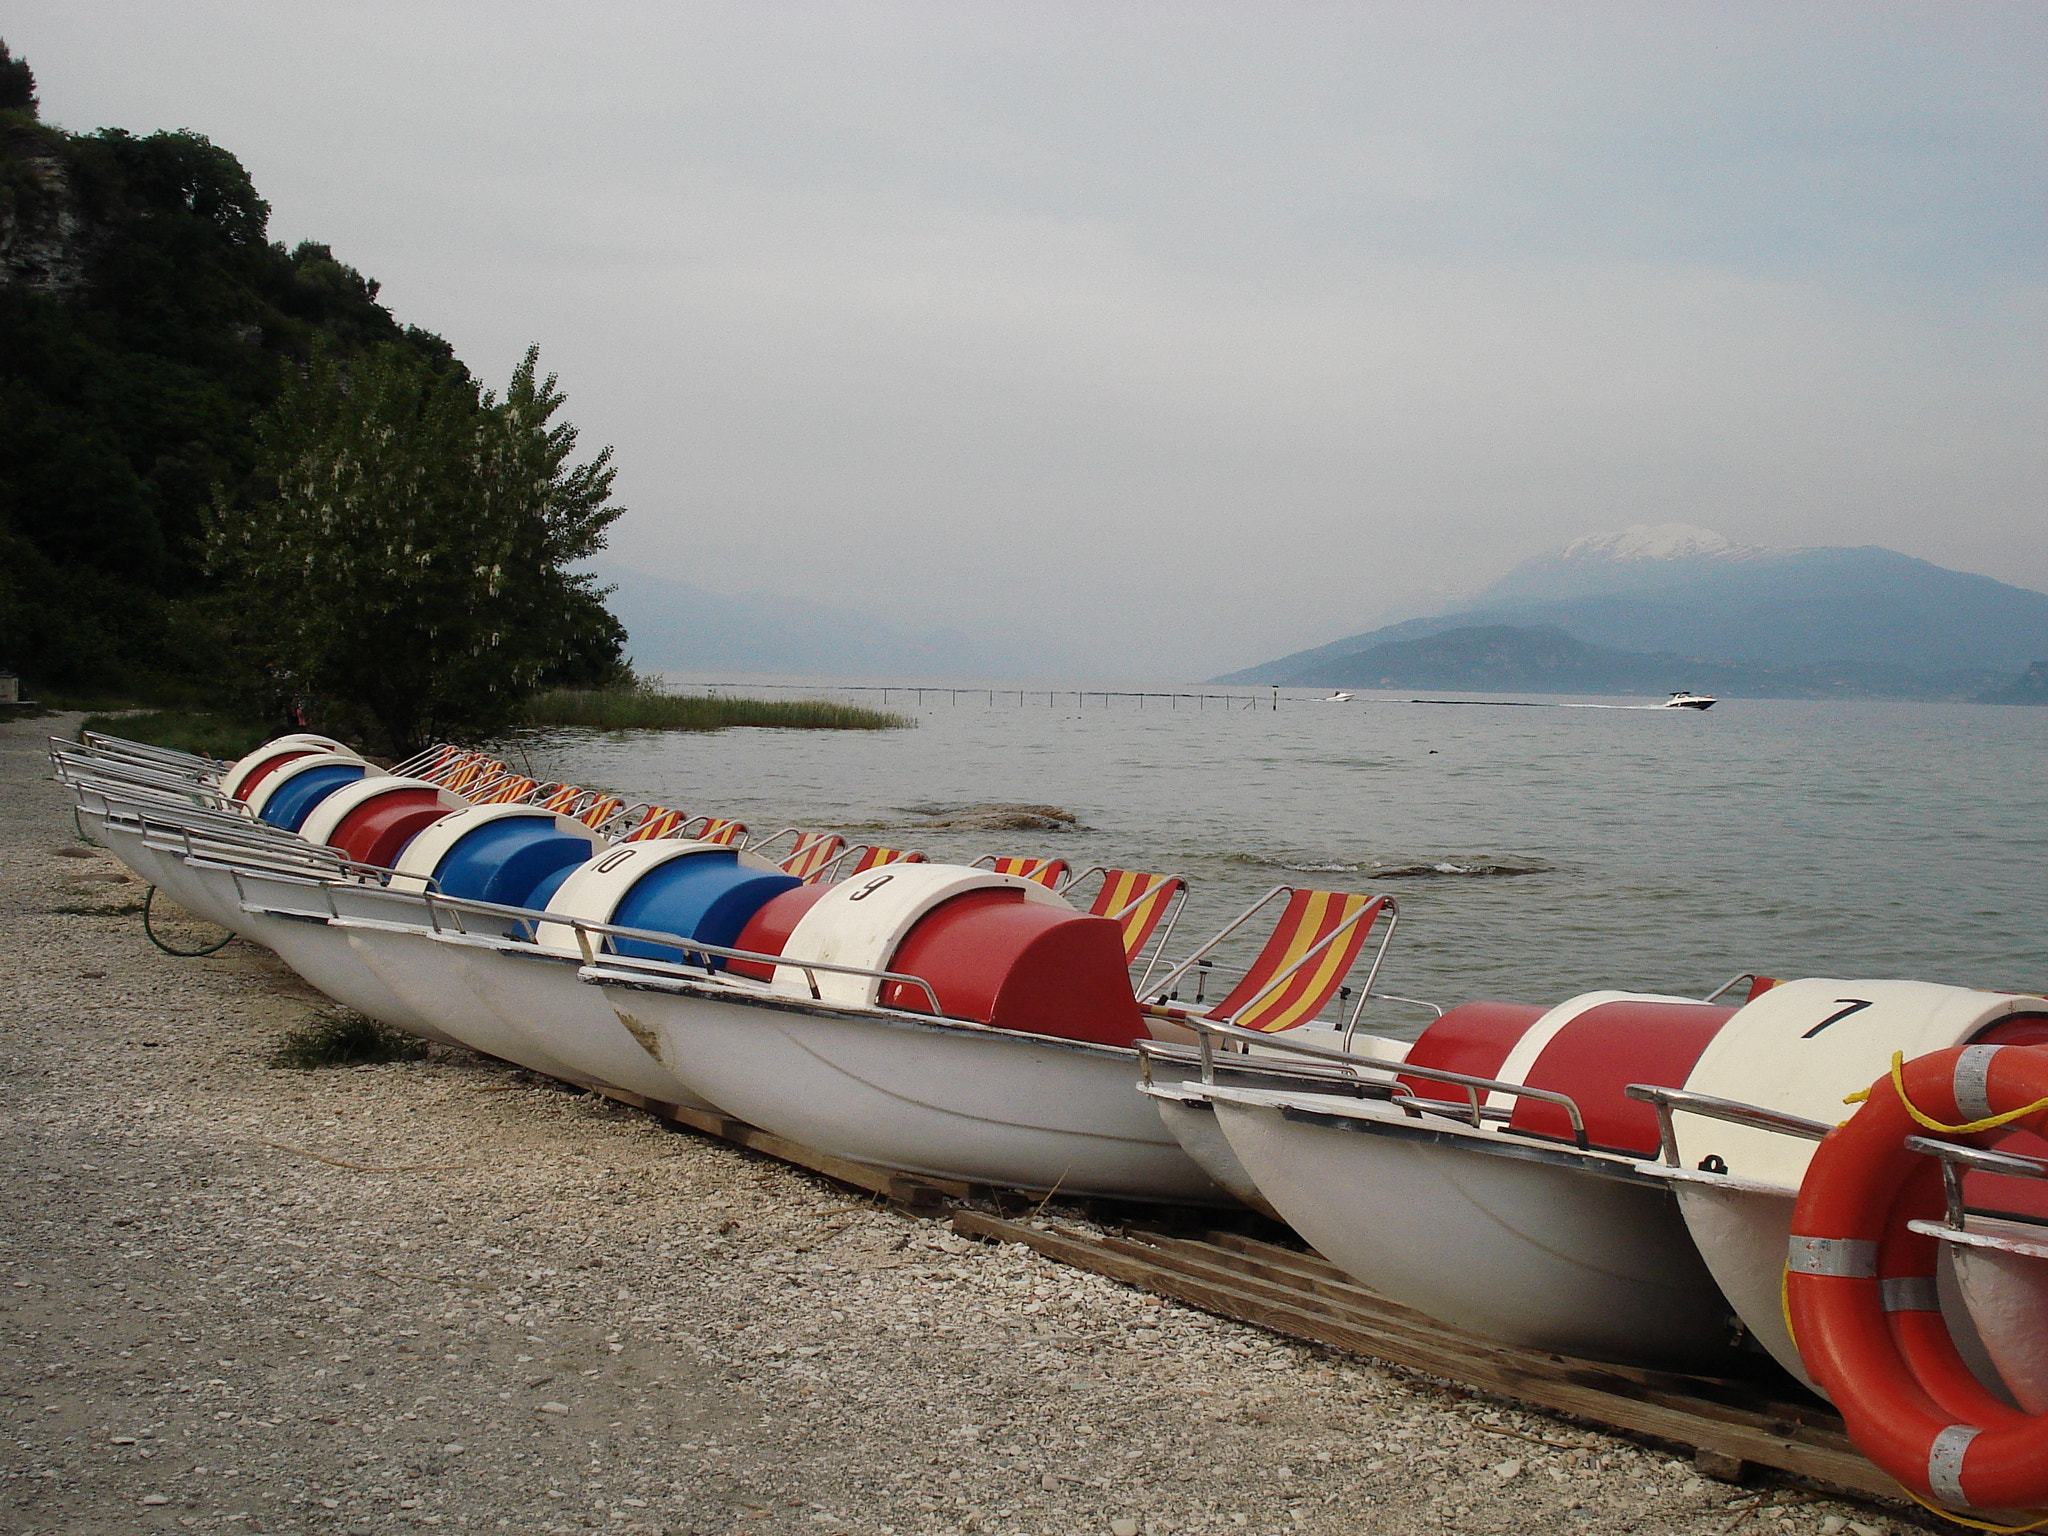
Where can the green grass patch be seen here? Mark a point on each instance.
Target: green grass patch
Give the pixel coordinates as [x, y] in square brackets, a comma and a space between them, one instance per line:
[185, 730]
[348, 1040]
[636, 709]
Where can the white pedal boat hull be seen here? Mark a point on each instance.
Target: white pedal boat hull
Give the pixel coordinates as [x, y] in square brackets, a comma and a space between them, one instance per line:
[292, 919]
[948, 1100]
[537, 990]
[1524, 1242]
[1191, 1119]
[420, 973]
[169, 873]
[2001, 1273]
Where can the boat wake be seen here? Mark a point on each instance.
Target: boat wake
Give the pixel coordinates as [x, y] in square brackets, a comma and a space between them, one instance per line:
[1417, 869]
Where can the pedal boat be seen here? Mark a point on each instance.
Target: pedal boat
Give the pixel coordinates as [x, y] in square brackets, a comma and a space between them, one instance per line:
[1506, 1201]
[638, 898]
[940, 1019]
[1736, 1137]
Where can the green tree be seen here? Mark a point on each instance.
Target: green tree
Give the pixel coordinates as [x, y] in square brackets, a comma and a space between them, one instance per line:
[407, 574]
[17, 84]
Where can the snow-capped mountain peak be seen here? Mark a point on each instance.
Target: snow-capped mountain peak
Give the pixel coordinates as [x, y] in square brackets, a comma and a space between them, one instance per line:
[1655, 541]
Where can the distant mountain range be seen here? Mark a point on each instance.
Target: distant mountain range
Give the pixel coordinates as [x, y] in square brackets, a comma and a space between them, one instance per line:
[1656, 607]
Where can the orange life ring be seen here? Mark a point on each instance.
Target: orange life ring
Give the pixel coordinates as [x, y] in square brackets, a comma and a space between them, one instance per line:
[1860, 1286]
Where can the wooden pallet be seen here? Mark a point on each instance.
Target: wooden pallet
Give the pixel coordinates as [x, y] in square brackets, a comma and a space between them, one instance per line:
[1728, 1426]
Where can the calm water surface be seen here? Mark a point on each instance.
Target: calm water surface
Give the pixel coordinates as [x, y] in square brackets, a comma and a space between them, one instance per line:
[1662, 850]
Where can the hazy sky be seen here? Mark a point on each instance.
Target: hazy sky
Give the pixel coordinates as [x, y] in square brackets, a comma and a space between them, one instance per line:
[1189, 333]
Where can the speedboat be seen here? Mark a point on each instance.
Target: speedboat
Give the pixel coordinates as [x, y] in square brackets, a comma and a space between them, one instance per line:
[1685, 698]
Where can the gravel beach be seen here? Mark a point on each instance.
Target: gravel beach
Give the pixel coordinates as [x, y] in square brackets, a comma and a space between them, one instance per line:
[446, 1293]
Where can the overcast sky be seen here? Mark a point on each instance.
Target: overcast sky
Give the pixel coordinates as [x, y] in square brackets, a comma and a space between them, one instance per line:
[1193, 333]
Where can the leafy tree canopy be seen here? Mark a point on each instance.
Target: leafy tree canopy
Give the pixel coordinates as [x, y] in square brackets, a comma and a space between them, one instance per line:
[17, 84]
[147, 325]
[408, 577]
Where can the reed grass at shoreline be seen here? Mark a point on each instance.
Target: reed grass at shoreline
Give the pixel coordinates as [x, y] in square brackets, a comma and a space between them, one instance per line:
[633, 709]
[185, 730]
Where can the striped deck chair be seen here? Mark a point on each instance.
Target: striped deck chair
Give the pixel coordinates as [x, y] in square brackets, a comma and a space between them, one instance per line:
[477, 770]
[1138, 903]
[426, 765]
[600, 810]
[444, 768]
[811, 853]
[874, 856]
[1311, 951]
[655, 821]
[503, 789]
[717, 829]
[1047, 872]
[562, 799]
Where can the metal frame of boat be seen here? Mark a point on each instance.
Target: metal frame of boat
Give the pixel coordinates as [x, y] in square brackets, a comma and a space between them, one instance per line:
[1509, 1235]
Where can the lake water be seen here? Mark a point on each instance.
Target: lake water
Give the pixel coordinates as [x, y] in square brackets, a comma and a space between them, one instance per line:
[1660, 850]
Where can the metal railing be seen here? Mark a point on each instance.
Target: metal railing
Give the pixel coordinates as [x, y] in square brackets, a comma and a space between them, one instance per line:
[1666, 1101]
[1372, 908]
[694, 964]
[1406, 1099]
[1955, 1158]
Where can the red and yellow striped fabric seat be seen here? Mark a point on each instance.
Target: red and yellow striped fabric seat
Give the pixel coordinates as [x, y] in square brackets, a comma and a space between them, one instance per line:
[433, 764]
[504, 789]
[562, 799]
[1303, 963]
[1047, 872]
[1137, 901]
[479, 769]
[658, 821]
[601, 809]
[813, 850]
[873, 856]
[717, 829]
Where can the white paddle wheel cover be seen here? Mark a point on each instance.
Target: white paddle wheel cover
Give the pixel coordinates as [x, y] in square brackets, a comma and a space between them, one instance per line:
[861, 921]
[424, 853]
[1804, 1044]
[595, 887]
[321, 821]
[260, 796]
[242, 767]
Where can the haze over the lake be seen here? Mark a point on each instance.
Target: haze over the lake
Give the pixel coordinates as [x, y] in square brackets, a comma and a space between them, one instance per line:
[1187, 334]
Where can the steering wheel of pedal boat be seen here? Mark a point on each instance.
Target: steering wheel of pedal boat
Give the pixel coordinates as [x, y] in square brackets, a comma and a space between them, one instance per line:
[1860, 1285]
[148, 905]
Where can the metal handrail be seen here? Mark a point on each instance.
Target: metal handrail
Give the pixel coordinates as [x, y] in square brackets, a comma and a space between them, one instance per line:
[436, 904]
[613, 963]
[142, 751]
[1176, 904]
[1729, 986]
[1373, 906]
[1173, 1051]
[1955, 1158]
[1733, 1111]
[75, 769]
[1411, 1104]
